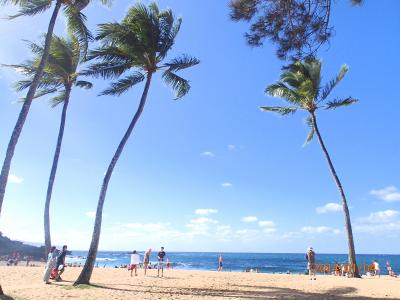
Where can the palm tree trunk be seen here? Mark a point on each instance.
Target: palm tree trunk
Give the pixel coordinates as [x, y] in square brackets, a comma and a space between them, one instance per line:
[347, 221]
[47, 238]
[84, 277]
[26, 106]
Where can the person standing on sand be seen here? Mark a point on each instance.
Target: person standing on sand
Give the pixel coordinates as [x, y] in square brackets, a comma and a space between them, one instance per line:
[146, 260]
[376, 267]
[160, 265]
[135, 261]
[220, 261]
[310, 257]
[50, 265]
[61, 262]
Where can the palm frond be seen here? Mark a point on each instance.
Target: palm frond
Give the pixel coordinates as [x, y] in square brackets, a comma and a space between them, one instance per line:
[182, 62]
[334, 82]
[281, 90]
[124, 84]
[312, 130]
[280, 110]
[106, 70]
[31, 8]
[340, 102]
[76, 25]
[84, 84]
[60, 98]
[178, 84]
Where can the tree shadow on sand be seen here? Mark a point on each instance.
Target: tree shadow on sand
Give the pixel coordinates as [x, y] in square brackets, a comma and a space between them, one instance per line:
[256, 292]
[5, 297]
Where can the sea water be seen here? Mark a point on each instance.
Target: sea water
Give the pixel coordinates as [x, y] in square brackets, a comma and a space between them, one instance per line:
[264, 262]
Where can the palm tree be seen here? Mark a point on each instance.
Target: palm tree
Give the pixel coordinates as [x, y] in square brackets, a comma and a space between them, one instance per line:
[60, 74]
[300, 86]
[138, 45]
[76, 24]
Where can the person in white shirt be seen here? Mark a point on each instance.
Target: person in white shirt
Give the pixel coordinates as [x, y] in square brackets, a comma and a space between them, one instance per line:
[376, 268]
[135, 261]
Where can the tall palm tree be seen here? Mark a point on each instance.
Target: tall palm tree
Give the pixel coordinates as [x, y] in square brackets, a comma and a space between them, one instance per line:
[76, 24]
[138, 45]
[60, 75]
[300, 85]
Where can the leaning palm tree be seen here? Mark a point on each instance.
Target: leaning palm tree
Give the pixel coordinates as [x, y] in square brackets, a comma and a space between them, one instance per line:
[300, 85]
[76, 24]
[60, 75]
[138, 45]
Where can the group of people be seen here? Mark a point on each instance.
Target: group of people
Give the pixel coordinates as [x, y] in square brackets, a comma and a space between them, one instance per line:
[55, 265]
[341, 271]
[136, 261]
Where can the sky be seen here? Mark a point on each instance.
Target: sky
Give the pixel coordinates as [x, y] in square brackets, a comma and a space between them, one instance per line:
[211, 172]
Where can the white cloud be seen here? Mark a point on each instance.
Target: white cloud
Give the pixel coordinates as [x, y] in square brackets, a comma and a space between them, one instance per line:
[249, 219]
[382, 216]
[379, 222]
[207, 153]
[148, 227]
[203, 220]
[266, 224]
[226, 184]
[90, 214]
[231, 147]
[269, 230]
[319, 229]
[205, 211]
[329, 207]
[388, 194]
[12, 178]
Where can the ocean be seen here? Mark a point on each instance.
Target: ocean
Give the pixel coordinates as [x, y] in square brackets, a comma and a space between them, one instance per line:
[264, 262]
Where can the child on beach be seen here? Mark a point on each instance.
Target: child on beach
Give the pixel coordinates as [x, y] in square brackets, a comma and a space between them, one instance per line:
[310, 257]
[160, 265]
[50, 265]
[376, 268]
[220, 261]
[135, 261]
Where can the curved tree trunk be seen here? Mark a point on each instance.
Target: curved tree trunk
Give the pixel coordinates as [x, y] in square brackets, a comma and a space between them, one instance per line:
[84, 277]
[47, 238]
[27, 104]
[347, 221]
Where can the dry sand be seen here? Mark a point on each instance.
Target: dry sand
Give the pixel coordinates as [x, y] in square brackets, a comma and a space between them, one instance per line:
[26, 283]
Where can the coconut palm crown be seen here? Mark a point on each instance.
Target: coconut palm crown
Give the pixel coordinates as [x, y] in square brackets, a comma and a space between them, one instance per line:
[300, 86]
[138, 46]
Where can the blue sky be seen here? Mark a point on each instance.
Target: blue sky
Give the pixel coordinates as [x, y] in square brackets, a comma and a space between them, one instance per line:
[211, 172]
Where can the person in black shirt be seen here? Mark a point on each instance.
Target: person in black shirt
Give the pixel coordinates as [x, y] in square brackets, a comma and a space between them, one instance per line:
[61, 262]
[161, 256]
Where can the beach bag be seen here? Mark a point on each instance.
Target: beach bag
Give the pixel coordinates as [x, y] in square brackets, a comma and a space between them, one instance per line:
[54, 274]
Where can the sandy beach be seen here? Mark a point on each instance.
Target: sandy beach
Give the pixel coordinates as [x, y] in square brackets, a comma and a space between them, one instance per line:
[26, 283]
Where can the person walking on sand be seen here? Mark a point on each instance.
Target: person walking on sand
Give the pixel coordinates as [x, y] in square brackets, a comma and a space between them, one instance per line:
[376, 267]
[61, 263]
[310, 257]
[135, 261]
[220, 261]
[146, 260]
[160, 265]
[50, 265]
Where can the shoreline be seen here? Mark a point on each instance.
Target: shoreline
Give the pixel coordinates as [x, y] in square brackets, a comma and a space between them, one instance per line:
[114, 283]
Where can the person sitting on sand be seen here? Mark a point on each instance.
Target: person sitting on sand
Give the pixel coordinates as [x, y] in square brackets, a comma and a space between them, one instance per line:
[50, 265]
[390, 270]
[146, 260]
[310, 257]
[376, 268]
[220, 261]
[135, 261]
[160, 265]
